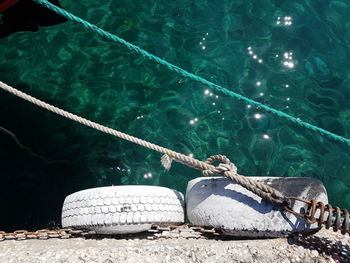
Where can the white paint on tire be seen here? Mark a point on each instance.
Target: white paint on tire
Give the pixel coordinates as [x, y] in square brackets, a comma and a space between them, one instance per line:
[123, 209]
[220, 203]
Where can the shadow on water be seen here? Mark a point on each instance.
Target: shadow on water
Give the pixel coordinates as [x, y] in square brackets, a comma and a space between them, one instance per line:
[37, 171]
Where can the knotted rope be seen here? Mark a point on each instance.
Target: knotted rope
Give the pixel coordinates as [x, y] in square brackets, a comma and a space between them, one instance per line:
[229, 170]
[225, 168]
[189, 75]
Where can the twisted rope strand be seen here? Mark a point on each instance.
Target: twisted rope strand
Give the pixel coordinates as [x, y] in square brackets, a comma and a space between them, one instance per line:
[189, 75]
[226, 168]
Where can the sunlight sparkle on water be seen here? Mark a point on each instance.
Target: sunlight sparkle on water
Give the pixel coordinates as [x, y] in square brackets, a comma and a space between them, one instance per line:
[253, 55]
[147, 175]
[193, 121]
[266, 136]
[288, 62]
[286, 21]
[257, 116]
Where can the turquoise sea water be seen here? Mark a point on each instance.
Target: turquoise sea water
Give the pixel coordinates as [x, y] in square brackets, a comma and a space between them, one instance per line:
[291, 55]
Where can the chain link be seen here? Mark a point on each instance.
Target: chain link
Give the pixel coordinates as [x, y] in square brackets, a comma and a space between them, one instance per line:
[323, 214]
[183, 231]
[42, 234]
[156, 232]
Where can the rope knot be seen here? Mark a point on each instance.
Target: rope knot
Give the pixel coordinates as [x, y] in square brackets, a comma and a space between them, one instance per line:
[224, 166]
[228, 169]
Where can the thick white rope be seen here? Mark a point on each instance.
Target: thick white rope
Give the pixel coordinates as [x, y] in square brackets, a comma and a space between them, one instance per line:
[226, 168]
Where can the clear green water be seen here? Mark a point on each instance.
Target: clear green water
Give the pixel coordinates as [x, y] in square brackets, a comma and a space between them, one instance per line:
[80, 72]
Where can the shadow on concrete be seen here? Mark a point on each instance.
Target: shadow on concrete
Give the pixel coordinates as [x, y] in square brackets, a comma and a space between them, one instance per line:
[335, 249]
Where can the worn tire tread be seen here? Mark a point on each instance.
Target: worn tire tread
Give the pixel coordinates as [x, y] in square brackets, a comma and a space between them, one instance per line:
[120, 206]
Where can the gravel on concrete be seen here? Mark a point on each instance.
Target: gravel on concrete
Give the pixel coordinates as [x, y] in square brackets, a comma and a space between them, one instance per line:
[324, 246]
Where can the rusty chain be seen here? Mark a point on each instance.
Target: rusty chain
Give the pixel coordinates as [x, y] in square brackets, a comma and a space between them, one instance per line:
[42, 234]
[317, 212]
[182, 231]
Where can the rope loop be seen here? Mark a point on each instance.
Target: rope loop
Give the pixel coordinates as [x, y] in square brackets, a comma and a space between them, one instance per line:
[228, 169]
[224, 166]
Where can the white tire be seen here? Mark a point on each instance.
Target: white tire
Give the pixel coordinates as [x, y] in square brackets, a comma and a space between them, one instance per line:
[223, 204]
[123, 209]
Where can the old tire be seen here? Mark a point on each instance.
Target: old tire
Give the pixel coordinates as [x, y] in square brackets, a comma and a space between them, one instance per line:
[223, 204]
[122, 209]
